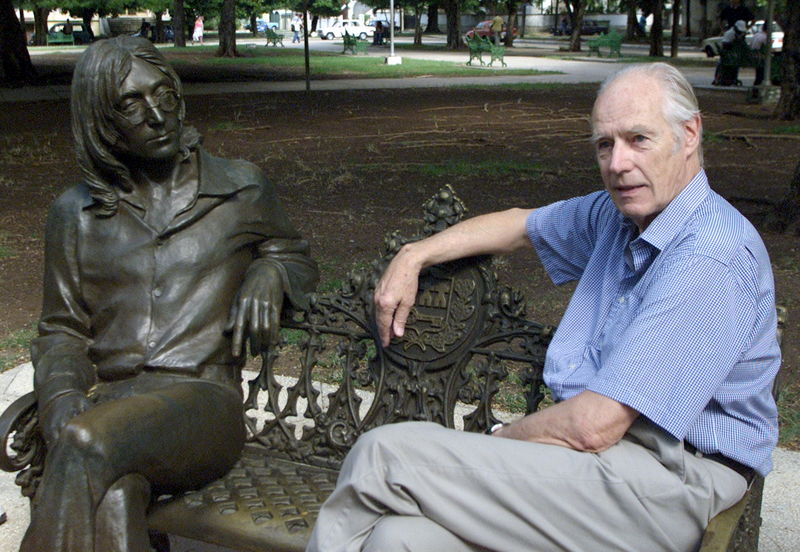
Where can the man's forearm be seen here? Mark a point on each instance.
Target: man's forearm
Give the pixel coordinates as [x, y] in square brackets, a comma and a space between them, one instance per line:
[492, 234]
[588, 422]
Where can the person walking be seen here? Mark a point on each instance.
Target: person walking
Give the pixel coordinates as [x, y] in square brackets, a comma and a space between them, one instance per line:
[497, 28]
[197, 35]
[297, 24]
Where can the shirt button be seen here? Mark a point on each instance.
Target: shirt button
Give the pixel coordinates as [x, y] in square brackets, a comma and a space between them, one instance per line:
[157, 292]
[572, 366]
[151, 344]
[621, 300]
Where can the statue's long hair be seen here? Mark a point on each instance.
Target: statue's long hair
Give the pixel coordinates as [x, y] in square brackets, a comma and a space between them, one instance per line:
[96, 83]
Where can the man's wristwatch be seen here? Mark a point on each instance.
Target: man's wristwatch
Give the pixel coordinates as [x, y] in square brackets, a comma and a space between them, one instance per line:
[494, 428]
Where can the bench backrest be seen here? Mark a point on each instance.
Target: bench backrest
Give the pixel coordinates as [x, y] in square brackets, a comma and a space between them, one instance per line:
[465, 342]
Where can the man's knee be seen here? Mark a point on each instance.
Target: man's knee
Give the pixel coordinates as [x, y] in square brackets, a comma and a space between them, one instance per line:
[84, 439]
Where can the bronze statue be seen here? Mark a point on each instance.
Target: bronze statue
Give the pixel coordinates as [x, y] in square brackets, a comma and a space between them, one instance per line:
[159, 266]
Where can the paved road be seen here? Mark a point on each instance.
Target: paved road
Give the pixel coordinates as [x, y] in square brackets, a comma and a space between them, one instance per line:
[581, 70]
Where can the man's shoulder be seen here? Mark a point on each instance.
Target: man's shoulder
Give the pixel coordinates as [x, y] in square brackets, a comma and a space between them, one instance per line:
[221, 175]
[721, 232]
[74, 199]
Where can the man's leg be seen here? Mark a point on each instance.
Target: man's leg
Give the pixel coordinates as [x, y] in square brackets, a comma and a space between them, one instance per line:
[176, 437]
[413, 534]
[122, 516]
[511, 495]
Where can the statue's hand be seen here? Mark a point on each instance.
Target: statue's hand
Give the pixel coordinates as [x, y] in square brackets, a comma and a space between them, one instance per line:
[60, 410]
[257, 310]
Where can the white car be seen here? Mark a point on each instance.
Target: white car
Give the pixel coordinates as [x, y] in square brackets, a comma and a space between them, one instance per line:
[712, 46]
[352, 27]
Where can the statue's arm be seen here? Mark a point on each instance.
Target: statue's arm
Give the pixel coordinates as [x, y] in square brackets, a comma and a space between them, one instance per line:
[63, 372]
[282, 269]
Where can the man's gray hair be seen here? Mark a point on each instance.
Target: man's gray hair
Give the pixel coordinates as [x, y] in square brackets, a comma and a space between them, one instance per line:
[680, 103]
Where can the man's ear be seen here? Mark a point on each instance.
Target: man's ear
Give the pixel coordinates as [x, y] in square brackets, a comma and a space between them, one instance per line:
[692, 134]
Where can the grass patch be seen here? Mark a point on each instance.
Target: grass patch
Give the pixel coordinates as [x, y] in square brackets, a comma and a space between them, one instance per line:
[14, 347]
[487, 168]
[789, 417]
[791, 129]
[524, 86]
[332, 65]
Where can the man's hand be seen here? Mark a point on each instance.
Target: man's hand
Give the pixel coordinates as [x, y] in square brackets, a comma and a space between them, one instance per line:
[57, 412]
[257, 310]
[395, 294]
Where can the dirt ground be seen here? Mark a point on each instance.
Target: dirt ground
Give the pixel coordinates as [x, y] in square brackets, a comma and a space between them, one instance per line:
[353, 166]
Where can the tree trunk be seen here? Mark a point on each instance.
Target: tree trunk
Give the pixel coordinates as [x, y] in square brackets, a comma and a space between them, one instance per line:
[676, 25]
[511, 23]
[40, 26]
[704, 26]
[453, 31]
[632, 24]
[433, 18]
[158, 28]
[788, 107]
[688, 18]
[657, 30]
[417, 25]
[16, 63]
[576, 18]
[179, 23]
[86, 16]
[253, 23]
[227, 29]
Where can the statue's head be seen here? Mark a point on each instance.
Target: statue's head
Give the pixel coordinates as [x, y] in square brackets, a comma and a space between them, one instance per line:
[122, 89]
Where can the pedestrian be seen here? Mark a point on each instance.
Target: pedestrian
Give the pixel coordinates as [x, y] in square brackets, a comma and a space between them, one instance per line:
[661, 368]
[296, 25]
[497, 28]
[197, 35]
[758, 45]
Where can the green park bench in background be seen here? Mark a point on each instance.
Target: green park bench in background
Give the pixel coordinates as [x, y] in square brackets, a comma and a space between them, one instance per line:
[354, 45]
[273, 37]
[468, 350]
[611, 40]
[58, 37]
[478, 46]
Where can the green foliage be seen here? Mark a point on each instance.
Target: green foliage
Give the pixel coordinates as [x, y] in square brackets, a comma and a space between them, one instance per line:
[14, 347]
[789, 417]
[791, 129]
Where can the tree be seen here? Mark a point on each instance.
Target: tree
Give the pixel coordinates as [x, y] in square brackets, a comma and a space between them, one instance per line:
[227, 30]
[179, 23]
[14, 57]
[433, 18]
[512, 6]
[676, 19]
[657, 29]
[576, 10]
[788, 107]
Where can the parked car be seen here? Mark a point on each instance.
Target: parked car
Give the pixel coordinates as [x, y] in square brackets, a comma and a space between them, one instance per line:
[262, 25]
[80, 34]
[712, 46]
[384, 24]
[484, 30]
[350, 26]
[588, 27]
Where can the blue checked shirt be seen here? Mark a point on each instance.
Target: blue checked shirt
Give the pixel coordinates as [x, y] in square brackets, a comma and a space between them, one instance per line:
[678, 323]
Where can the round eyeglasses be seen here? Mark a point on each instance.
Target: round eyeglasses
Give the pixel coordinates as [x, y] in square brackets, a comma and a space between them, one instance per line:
[134, 110]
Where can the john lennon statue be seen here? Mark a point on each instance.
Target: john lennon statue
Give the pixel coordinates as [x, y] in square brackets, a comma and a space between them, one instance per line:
[159, 266]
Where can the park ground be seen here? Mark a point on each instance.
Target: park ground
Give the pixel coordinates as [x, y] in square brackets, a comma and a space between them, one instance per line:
[351, 166]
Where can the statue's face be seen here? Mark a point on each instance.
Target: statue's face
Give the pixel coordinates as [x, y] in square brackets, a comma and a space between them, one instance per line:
[146, 115]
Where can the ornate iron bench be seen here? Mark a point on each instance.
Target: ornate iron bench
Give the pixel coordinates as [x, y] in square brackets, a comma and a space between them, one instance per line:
[468, 350]
[480, 45]
[354, 45]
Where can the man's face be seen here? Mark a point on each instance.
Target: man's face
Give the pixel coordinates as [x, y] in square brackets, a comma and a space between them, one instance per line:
[146, 115]
[642, 165]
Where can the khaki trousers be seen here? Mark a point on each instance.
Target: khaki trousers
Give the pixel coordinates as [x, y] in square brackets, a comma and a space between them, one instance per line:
[418, 486]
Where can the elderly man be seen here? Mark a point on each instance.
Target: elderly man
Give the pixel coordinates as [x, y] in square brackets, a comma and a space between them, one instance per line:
[661, 368]
[158, 267]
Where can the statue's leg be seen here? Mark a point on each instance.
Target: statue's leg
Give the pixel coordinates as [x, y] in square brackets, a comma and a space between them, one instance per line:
[177, 437]
[120, 520]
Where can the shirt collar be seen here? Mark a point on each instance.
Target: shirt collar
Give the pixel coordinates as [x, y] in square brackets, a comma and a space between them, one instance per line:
[673, 218]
